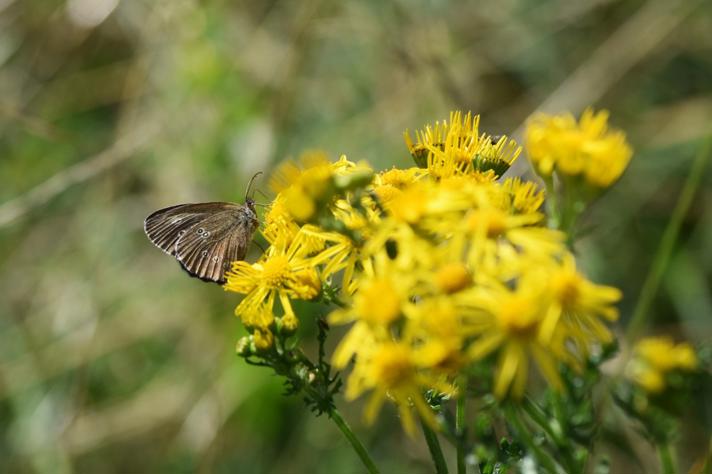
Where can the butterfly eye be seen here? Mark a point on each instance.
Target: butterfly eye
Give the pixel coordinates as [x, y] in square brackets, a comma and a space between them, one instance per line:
[215, 258]
[204, 253]
[200, 231]
[206, 234]
[181, 232]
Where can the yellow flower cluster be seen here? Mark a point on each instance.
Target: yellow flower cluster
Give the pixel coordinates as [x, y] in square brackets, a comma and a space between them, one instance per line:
[300, 256]
[655, 358]
[457, 147]
[440, 266]
[585, 148]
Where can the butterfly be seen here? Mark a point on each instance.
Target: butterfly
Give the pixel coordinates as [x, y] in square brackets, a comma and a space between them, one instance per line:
[205, 237]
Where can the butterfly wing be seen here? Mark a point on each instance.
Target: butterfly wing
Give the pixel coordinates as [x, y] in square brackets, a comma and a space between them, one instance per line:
[165, 226]
[203, 237]
[208, 248]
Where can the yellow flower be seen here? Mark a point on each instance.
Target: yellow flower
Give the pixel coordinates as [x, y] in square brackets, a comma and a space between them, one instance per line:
[655, 357]
[522, 197]
[377, 304]
[578, 304]
[282, 273]
[496, 233]
[452, 277]
[439, 327]
[458, 148]
[279, 229]
[263, 339]
[391, 370]
[304, 188]
[313, 173]
[650, 380]
[426, 200]
[441, 265]
[510, 326]
[399, 178]
[585, 148]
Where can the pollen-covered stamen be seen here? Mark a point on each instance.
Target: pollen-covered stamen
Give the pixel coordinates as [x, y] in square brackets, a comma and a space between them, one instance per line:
[275, 271]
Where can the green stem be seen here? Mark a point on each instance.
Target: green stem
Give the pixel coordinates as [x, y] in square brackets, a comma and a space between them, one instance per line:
[537, 415]
[355, 442]
[460, 430]
[667, 243]
[552, 202]
[525, 437]
[667, 462]
[436, 451]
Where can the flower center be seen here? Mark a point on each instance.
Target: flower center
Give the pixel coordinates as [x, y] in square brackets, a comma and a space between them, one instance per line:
[275, 271]
[392, 365]
[493, 221]
[518, 316]
[567, 289]
[397, 178]
[452, 277]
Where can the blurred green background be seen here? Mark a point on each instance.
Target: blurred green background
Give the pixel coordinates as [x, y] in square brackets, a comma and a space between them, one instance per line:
[112, 360]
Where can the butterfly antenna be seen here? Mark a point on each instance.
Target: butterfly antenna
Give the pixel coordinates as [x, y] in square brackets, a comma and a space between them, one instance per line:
[249, 185]
[262, 193]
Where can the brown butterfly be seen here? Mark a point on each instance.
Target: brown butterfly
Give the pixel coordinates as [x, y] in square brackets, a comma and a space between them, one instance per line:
[205, 237]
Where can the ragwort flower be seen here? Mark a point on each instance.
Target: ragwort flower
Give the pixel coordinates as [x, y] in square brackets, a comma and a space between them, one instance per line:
[586, 148]
[657, 357]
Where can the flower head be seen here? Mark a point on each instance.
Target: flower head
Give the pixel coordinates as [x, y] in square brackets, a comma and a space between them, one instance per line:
[457, 147]
[656, 358]
[586, 148]
[284, 273]
[439, 267]
[390, 370]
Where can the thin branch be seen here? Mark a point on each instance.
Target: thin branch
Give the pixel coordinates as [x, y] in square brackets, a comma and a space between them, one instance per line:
[122, 149]
[667, 242]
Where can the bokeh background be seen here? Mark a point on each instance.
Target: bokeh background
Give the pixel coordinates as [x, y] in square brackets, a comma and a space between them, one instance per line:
[112, 360]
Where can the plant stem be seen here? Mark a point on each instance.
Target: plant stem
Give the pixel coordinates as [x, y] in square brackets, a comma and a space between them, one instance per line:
[667, 243]
[667, 462]
[537, 415]
[552, 202]
[525, 437]
[355, 442]
[436, 451]
[460, 430]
